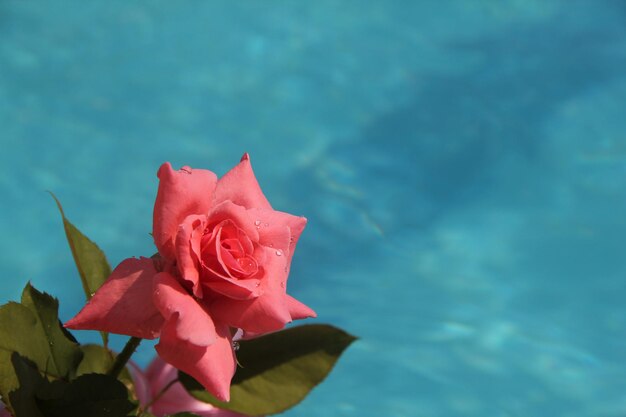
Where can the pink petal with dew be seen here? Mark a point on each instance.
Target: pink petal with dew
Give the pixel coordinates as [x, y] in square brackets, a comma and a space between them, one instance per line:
[213, 366]
[240, 186]
[266, 313]
[219, 266]
[278, 229]
[181, 193]
[123, 305]
[185, 316]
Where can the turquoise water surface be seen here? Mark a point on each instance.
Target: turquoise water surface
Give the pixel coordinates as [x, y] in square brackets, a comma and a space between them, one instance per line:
[462, 165]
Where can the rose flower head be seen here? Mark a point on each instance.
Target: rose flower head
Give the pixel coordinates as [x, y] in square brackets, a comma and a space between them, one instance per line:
[223, 262]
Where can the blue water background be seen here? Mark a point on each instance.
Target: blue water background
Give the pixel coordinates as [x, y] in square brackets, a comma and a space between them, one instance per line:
[462, 165]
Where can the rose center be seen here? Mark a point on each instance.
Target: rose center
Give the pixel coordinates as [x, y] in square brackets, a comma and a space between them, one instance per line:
[228, 252]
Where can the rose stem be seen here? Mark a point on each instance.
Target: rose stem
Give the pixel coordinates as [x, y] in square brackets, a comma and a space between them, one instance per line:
[124, 356]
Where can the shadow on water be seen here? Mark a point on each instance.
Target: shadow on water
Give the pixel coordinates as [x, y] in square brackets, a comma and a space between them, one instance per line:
[445, 148]
[467, 138]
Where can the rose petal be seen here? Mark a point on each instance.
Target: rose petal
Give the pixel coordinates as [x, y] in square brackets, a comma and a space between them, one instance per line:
[159, 373]
[123, 305]
[215, 276]
[296, 226]
[193, 323]
[181, 193]
[238, 289]
[188, 241]
[176, 398]
[266, 313]
[140, 382]
[227, 210]
[240, 186]
[213, 366]
[278, 229]
[297, 310]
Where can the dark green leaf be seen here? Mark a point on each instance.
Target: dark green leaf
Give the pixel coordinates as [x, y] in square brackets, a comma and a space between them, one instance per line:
[23, 399]
[64, 353]
[98, 360]
[91, 262]
[92, 395]
[32, 329]
[278, 370]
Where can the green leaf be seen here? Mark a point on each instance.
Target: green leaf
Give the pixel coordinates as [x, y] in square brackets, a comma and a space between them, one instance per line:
[98, 360]
[64, 354]
[93, 395]
[32, 329]
[91, 262]
[278, 370]
[23, 399]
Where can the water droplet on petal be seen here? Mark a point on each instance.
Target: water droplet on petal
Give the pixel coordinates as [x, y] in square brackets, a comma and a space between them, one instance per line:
[282, 284]
[266, 224]
[257, 222]
[279, 252]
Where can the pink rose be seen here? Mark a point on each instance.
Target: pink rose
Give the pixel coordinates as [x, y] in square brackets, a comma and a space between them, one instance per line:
[224, 260]
[158, 376]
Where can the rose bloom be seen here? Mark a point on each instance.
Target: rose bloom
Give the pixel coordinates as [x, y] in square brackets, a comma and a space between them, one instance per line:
[150, 384]
[223, 262]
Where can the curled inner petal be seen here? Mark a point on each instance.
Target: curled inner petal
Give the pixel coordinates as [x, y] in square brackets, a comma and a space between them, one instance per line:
[227, 251]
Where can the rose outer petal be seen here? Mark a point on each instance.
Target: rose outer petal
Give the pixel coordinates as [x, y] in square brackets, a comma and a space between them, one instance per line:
[188, 250]
[266, 313]
[299, 311]
[121, 305]
[181, 193]
[240, 186]
[278, 229]
[213, 366]
[192, 324]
